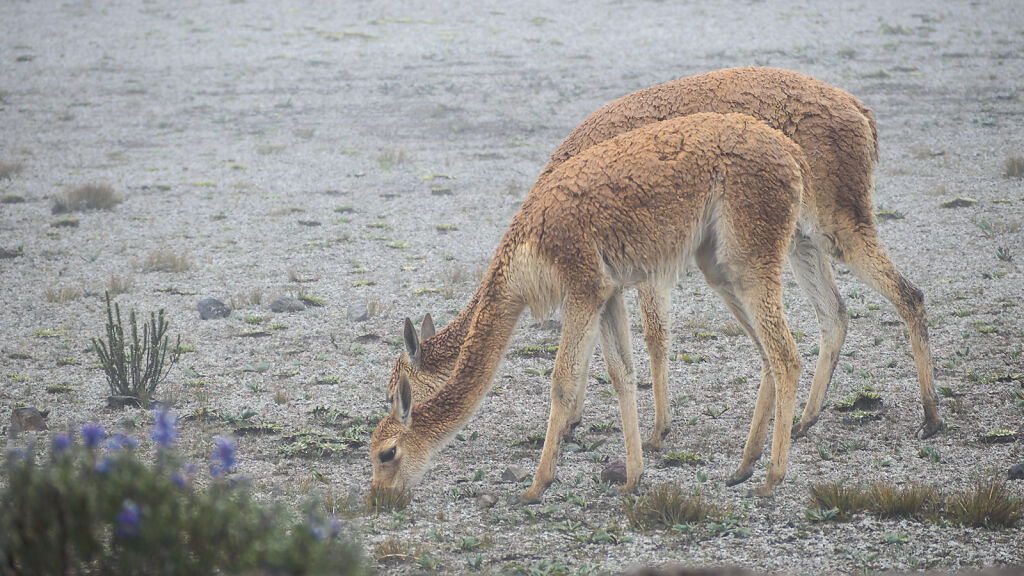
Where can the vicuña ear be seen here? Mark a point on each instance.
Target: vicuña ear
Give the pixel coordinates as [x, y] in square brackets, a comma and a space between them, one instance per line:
[402, 408]
[427, 330]
[412, 342]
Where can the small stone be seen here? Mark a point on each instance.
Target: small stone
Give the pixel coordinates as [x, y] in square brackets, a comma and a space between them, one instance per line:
[211, 308]
[486, 500]
[514, 474]
[358, 312]
[287, 304]
[1016, 472]
[25, 419]
[614, 472]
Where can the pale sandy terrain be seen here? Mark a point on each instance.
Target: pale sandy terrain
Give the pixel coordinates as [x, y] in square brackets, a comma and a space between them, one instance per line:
[376, 150]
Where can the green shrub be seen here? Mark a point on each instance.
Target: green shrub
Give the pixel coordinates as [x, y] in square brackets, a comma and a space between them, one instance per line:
[134, 368]
[667, 506]
[95, 507]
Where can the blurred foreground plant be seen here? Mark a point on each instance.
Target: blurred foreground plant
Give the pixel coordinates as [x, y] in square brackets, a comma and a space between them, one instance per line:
[134, 368]
[95, 507]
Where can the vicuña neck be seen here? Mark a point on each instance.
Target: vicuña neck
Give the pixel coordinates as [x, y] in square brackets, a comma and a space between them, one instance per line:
[488, 334]
[444, 347]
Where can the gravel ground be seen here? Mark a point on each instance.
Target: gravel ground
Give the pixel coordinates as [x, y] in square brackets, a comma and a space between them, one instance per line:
[371, 154]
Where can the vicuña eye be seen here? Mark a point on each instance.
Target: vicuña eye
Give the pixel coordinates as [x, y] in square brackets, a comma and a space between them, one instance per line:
[388, 455]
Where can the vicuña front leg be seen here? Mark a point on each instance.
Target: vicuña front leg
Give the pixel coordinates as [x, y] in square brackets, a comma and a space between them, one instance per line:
[654, 306]
[579, 335]
[619, 358]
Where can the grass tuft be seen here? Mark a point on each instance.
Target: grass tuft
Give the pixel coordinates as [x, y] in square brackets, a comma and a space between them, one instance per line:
[387, 500]
[914, 501]
[86, 197]
[62, 294]
[164, 261]
[988, 504]
[667, 506]
[846, 500]
[1015, 167]
[9, 169]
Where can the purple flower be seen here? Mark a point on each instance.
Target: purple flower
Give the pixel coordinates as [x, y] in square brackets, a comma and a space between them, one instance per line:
[118, 442]
[329, 528]
[61, 444]
[92, 434]
[128, 520]
[103, 466]
[183, 478]
[165, 428]
[222, 461]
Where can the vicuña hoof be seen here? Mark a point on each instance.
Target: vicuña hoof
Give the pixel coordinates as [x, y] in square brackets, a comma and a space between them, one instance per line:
[762, 491]
[652, 445]
[929, 428]
[530, 497]
[738, 478]
[800, 429]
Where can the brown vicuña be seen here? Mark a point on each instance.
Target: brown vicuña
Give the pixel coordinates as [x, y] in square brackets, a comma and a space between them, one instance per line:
[721, 189]
[837, 134]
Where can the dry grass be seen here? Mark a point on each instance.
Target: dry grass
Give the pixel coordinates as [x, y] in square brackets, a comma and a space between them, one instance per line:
[388, 159]
[164, 261]
[118, 284]
[988, 504]
[386, 500]
[253, 297]
[914, 501]
[86, 197]
[667, 506]
[62, 294]
[9, 169]
[1015, 167]
[846, 500]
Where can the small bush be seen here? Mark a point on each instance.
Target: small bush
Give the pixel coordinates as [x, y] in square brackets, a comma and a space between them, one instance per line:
[134, 368]
[989, 504]
[118, 284]
[667, 506]
[87, 197]
[95, 507]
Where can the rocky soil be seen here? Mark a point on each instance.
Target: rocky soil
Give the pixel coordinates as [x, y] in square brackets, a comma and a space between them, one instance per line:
[366, 157]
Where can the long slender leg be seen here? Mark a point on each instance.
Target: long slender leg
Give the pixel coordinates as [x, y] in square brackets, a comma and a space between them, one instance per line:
[618, 356]
[654, 307]
[719, 279]
[765, 391]
[862, 251]
[764, 301]
[814, 275]
[579, 336]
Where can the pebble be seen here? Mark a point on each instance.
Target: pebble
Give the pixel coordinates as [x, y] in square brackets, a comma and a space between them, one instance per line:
[486, 500]
[210, 308]
[1016, 472]
[287, 304]
[614, 472]
[358, 312]
[26, 419]
[514, 474]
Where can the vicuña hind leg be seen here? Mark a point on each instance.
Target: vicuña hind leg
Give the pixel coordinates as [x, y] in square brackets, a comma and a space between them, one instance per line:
[618, 356]
[654, 306]
[864, 254]
[765, 305]
[579, 335]
[813, 272]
